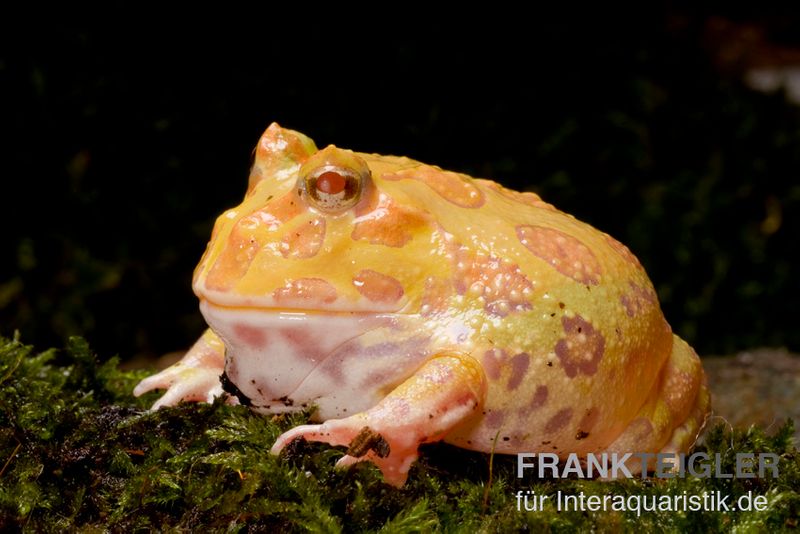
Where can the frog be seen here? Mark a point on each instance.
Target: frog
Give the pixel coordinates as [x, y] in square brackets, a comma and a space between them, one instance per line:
[401, 304]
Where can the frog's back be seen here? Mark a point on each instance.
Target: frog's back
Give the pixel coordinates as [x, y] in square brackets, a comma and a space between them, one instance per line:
[568, 313]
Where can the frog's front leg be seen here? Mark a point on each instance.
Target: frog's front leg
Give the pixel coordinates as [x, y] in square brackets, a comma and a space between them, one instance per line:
[194, 378]
[445, 391]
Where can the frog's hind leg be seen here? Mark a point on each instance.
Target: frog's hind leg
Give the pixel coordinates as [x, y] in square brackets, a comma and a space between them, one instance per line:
[194, 378]
[676, 412]
[445, 391]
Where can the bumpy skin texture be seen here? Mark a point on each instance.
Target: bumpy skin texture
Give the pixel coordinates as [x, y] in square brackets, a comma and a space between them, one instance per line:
[431, 306]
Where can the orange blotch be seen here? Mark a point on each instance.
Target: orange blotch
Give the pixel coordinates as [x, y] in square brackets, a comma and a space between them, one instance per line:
[275, 213]
[565, 253]
[524, 197]
[382, 221]
[378, 287]
[501, 284]
[276, 150]
[436, 296]
[305, 291]
[623, 251]
[304, 241]
[581, 348]
[234, 261]
[242, 243]
[451, 186]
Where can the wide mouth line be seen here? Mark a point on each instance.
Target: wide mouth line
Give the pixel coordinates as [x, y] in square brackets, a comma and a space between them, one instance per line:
[289, 311]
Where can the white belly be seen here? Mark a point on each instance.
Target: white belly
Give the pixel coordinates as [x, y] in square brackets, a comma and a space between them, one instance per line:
[342, 362]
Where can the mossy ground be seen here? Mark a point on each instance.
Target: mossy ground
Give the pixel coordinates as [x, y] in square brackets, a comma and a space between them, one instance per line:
[78, 452]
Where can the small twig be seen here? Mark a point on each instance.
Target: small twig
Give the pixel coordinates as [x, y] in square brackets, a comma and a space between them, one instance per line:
[3, 470]
[491, 467]
[12, 369]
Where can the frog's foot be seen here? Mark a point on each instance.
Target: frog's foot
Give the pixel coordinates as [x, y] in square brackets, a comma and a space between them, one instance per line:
[676, 412]
[194, 378]
[424, 408]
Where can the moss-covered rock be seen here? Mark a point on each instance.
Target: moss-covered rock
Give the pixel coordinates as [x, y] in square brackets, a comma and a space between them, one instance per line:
[77, 451]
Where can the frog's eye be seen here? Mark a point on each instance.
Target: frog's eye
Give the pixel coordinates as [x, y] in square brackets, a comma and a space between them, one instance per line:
[332, 188]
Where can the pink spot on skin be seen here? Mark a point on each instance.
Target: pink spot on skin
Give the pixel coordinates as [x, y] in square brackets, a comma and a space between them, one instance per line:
[376, 379]
[582, 347]
[493, 360]
[631, 305]
[519, 366]
[415, 351]
[459, 189]
[501, 284]
[623, 251]
[565, 253]
[525, 197]
[495, 418]
[304, 241]
[559, 421]
[304, 292]
[638, 300]
[382, 221]
[378, 287]
[539, 398]
[398, 408]
[250, 335]
[438, 373]
[305, 344]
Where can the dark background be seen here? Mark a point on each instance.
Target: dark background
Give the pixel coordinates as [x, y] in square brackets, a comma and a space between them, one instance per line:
[124, 138]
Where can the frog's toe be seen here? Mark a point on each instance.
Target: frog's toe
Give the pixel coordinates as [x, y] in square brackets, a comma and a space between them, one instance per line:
[394, 467]
[364, 444]
[162, 380]
[332, 432]
[347, 461]
[182, 383]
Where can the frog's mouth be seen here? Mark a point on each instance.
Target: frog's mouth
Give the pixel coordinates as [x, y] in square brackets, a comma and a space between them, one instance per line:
[305, 295]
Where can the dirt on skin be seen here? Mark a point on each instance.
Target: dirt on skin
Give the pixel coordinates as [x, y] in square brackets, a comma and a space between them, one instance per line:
[755, 387]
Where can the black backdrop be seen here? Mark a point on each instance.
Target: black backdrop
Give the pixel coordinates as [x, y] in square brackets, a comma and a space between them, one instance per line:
[125, 133]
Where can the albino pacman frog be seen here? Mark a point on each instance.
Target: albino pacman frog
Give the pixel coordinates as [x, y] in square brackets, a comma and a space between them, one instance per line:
[406, 304]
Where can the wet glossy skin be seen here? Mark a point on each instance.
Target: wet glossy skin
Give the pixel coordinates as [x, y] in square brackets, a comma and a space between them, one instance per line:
[411, 304]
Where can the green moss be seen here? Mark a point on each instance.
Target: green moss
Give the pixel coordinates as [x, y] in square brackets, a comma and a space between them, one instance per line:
[77, 451]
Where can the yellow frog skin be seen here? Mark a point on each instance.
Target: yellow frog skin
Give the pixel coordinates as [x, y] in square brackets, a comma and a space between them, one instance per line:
[409, 304]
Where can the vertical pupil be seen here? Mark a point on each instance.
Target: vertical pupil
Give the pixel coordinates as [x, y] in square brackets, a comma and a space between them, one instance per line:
[331, 183]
